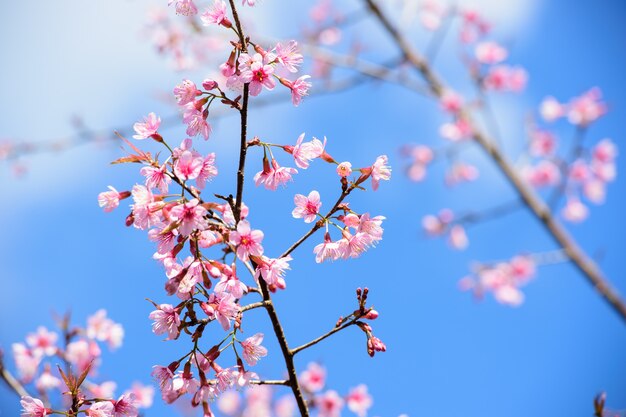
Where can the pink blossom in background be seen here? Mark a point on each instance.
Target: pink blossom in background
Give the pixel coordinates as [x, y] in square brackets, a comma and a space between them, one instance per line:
[184, 7]
[551, 110]
[587, 108]
[216, 14]
[43, 342]
[359, 401]
[490, 53]
[329, 404]
[313, 378]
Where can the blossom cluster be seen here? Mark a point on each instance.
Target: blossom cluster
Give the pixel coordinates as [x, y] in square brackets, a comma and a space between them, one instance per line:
[204, 240]
[577, 170]
[76, 388]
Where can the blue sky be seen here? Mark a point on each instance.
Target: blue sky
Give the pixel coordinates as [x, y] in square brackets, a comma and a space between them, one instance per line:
[447, 354]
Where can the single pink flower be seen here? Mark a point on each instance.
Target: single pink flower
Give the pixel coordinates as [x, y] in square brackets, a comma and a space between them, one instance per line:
[327, 250]
[148, 127]
[125, 406]
[188, 165]
[359, 401]
[33, 407]
[299, 88]
[550, 109]
[156, 177]
[207, 172]
[252, 349]
[186, 92]
[344, 169]
[307, 207]
[190, 215]
[144, 394]
[380, 171]
[304, 153]
[43, 341]
[451, 101]
[101, 409]
[184, 7]
[197, 124]
[329, 404]
[313, 378]
[166, 320]
[216, 15]
[575, 211]
[273, 271]
[288, 55]
[490, 53]
[247, 241]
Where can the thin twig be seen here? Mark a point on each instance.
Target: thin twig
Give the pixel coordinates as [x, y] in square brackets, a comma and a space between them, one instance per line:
[10, 380]
[322, 337]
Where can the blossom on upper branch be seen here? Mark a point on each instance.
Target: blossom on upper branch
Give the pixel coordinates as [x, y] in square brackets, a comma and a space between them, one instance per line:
[184, 7]
[216, 15]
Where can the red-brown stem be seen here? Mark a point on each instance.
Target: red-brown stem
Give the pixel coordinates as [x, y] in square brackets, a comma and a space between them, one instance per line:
[535, 204]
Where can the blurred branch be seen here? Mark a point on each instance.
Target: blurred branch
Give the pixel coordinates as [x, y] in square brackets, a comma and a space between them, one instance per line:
[535, 204]
[10, 380]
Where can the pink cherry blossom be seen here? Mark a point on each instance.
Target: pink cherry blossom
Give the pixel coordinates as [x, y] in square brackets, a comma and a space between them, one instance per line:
[551, 110]
[273, 176]
[299, 88]
[252, 349]
[457, 237]
[344, 169]
[256, 71]
[190, 216]
[101, 409]
[575, 211]
[188, 165]
[371, 226]
[542, 143]
[461, 172]
[605, 151]
[125, 406]
[273, 271]
[505, 78]
[430, 14]
[247, 241]
[33, 407]
[374, 345]
[148, 127]
[304, 153]
[288, 55]
[186, 92]
[380, 171]
[587, 108]
[329, 404]
[102, 328]
[490, 53]
[197, 124]
[545, 173]
[229, 403]
[26, 360]
[166, 320]
[216, 15]
[110, 200]
[232, 285]
[307, 207]
[163, 376]
[223, 308]
[43, 341]
[144, 395]
[156, 177]
[451, 101]
[47, 381]
[359, 401]
[456, 131]
[208, 171]
[103, 390]
[327, 250]
[184, 7]
[313, 378]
